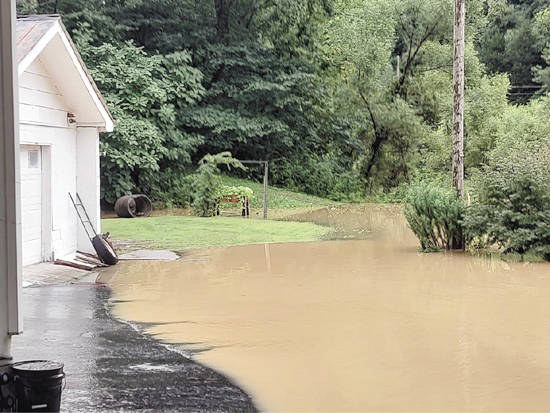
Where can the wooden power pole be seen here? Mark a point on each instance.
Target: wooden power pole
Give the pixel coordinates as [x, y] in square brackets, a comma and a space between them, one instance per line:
[458, 102]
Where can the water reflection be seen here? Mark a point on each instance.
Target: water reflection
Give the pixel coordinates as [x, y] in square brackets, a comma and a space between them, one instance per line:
[355, 325]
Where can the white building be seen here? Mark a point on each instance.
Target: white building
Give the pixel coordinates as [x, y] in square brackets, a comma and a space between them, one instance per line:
[61, 114]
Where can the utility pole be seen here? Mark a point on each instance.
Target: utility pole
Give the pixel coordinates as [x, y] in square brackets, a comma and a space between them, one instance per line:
[10, 216]
[265, 188]
[458, 94]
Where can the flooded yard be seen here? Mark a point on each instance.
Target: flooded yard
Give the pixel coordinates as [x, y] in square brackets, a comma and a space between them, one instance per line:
[364, 324]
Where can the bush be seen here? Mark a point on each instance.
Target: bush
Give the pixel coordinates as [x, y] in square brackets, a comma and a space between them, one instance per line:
[327, 177]
[207, 182]
[144, 93]
[434, 215]
[512, 203]
[179, 193]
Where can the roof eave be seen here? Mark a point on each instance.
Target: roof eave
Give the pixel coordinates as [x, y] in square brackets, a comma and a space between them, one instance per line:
[87, 78]
[95, 94]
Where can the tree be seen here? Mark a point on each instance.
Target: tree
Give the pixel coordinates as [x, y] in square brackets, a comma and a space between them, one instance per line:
[143, 93]
[511, 44]
[365, 39]
[260, 62]
[264, 77]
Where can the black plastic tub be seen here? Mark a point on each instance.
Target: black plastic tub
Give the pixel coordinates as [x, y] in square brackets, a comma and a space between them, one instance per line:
[131, 206]
[38, 385]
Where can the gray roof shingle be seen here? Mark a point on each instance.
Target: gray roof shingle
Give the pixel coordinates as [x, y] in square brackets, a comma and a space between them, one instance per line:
[30, 29]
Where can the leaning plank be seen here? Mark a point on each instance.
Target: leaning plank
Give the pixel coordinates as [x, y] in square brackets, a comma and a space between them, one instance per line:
[74, 264]
[95, 257]
[90, 261]
[92, 258]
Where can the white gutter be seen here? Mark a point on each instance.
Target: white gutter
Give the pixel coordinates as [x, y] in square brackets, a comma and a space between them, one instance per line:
[10, 184]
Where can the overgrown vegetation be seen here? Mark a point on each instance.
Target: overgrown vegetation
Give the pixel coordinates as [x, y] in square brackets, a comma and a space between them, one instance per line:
[512, 208]
[435, 216]
[308, 85]
[226, 190]
[509, 189]
[207, 182]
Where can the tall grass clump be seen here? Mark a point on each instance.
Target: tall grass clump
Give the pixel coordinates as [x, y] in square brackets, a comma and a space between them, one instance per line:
[434, 215]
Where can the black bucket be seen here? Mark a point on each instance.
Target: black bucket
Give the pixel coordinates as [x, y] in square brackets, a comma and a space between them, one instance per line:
[38, 385]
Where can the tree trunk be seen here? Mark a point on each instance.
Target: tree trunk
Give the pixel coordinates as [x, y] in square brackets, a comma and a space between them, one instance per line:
[376, 149]
[222, 20]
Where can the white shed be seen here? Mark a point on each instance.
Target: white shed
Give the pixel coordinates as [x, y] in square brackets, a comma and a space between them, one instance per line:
[61, 114]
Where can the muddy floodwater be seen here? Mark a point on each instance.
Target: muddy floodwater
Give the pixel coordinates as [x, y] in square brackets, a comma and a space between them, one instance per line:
[364, 324]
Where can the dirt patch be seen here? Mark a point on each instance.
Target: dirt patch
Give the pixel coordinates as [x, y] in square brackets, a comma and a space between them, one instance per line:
[125, 246]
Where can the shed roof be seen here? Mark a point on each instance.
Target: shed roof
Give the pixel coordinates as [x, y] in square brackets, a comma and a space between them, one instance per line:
[30, 29]
[45, 37]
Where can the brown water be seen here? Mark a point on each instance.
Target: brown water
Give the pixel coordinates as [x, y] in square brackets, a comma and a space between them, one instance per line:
[361, 325]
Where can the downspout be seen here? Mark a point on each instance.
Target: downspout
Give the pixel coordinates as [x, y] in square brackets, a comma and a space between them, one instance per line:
[10, 192]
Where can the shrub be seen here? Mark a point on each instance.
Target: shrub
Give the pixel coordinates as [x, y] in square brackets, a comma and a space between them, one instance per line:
[207, 182]
[512, 203]
[434, 215]
[327, 177]
[179, 193]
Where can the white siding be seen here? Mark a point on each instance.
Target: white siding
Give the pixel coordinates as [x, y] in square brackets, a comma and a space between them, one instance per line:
[39, 99]
[43, 119]
[87, 181]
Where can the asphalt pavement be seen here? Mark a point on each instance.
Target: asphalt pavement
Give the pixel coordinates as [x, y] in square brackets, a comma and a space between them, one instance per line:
[110, 364]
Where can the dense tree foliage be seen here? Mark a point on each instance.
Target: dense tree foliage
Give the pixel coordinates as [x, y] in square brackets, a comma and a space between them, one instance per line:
[513, 44]
[145, 94]
[262, 89]
[397, 60]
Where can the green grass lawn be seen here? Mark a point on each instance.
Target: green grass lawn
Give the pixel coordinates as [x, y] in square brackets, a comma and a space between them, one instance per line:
[184, 232]
[175, 229]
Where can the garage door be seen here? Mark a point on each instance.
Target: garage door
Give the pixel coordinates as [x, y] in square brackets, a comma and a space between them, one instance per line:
[31, 203]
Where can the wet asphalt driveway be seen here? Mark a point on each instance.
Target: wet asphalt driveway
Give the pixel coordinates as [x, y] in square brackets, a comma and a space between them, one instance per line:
[110, 365]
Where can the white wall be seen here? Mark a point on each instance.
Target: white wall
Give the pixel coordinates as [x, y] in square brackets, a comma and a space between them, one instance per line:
[40, 102]
[87, 181]
[43, 120]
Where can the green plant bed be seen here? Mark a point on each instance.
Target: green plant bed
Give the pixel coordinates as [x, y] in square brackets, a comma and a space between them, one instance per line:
[226, 191]
[184, 232]
[276, 197]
